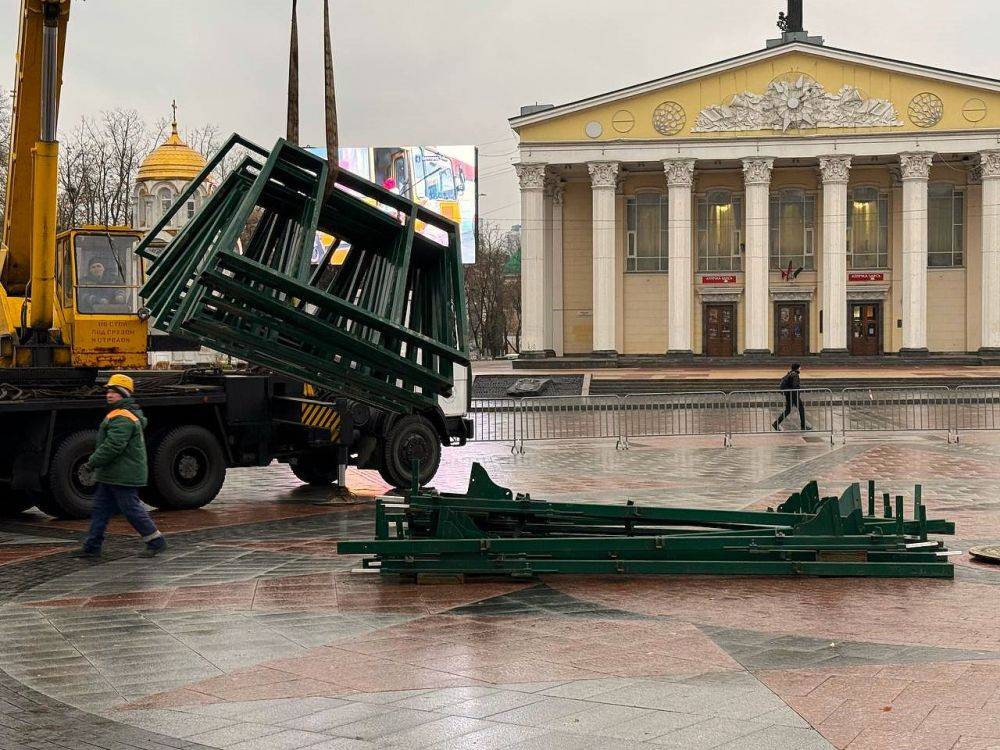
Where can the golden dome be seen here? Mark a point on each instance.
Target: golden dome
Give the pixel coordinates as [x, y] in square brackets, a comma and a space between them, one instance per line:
[172, 160]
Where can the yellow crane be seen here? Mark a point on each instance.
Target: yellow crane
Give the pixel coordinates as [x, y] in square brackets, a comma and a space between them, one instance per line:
[68, 299]
[69, 306]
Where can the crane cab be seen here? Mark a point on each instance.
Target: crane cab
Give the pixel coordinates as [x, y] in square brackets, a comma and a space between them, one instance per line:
[97, 305]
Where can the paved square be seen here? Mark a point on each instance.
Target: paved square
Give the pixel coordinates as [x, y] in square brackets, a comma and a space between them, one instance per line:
[252, 633]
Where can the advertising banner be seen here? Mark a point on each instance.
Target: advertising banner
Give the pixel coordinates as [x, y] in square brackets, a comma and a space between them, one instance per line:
[441, 178]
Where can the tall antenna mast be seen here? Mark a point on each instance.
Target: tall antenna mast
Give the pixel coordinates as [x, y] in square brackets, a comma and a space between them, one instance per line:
[292, 131]
[330, 100]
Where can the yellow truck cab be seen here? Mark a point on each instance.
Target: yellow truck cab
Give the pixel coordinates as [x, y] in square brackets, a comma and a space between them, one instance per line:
[97, 304]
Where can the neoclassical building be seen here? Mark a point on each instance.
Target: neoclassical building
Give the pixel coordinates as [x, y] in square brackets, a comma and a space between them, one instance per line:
[798, 199]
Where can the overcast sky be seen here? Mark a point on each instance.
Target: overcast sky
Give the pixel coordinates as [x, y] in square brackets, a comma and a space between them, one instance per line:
[450, 71]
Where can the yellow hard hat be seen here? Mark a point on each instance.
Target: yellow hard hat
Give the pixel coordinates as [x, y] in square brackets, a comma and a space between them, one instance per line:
[121, 381]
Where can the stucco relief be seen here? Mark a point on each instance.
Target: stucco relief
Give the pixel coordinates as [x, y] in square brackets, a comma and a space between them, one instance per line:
[800, 102]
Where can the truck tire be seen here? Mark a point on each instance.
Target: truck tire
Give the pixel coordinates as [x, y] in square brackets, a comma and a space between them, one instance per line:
[314, 473]
[187, 470]
[71, 486]
[411, 437]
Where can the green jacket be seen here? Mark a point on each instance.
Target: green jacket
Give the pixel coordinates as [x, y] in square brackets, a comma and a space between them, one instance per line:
[120, 454]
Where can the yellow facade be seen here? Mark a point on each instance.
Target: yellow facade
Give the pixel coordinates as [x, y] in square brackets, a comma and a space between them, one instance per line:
[954, 119]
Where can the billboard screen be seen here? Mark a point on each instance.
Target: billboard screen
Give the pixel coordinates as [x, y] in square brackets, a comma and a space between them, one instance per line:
[442, 178]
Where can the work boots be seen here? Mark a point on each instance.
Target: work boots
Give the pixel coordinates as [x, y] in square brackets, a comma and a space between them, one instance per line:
[86, 554]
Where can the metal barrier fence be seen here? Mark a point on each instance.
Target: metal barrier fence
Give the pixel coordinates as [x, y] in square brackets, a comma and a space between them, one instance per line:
[923, 409]
[673, 415]
[495, 419]
[757, 412]
[570, 417]
[976, 407]
[852, 410]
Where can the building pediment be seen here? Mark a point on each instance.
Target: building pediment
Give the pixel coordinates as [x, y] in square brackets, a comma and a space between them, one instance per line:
[792, 90]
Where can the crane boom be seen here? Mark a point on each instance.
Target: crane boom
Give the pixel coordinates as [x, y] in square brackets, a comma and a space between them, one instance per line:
[36, 92]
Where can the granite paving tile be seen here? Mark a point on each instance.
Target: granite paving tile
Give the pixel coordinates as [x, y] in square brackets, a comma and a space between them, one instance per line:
[289, 739]
[382, 724]
[234, 733]
[432, 732]
[494, 737]
[709, 733]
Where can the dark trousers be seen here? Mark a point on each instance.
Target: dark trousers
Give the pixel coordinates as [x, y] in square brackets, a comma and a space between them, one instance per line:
[793, 398]
[110, 499]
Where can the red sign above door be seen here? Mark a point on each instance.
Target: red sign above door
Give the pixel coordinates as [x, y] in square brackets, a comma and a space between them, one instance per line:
[868, 276]
[719, 278]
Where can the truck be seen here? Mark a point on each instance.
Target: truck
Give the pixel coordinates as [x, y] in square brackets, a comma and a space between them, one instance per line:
[63, 327]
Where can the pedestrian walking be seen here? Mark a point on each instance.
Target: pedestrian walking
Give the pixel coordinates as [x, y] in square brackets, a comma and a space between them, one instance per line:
[119, 466]
[790, 386]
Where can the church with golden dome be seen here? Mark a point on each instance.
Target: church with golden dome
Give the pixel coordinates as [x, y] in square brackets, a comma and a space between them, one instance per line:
[162, 176]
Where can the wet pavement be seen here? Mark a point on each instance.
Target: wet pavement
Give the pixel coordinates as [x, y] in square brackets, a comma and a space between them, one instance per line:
[250, 632]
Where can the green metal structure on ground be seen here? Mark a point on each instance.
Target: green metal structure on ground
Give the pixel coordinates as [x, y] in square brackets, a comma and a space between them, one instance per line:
[386, 328]
[490, 531]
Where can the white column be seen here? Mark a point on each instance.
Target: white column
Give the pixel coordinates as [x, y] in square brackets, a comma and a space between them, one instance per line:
[757, 178]
[835, 171]
[991, 250]
[680, 178]
[603, 178]
[547, 268]
[532, 180]
[558, 194]
[916, 168]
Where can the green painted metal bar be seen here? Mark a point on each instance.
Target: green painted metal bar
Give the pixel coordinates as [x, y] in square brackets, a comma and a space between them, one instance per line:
[320, 299]
[309, 325]
[532, 568]
[663, 545]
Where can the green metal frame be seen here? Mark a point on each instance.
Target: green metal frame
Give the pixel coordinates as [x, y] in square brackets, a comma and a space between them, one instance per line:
[491, 531]
[387, 328]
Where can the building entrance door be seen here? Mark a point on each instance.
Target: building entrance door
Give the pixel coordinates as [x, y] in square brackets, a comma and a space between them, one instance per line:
[719, 330]
[866, 328]
[791, 329]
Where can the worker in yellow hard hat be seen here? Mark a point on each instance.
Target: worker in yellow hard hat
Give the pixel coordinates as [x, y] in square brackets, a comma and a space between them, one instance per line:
[119, 466]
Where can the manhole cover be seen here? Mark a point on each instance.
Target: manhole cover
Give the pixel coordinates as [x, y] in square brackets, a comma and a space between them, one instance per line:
[986, 553]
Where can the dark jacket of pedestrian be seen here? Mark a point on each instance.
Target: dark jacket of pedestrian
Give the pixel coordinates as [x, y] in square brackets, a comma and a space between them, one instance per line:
[790, 382]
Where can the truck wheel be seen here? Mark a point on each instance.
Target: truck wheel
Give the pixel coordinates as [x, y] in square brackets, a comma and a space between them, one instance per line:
[71, 486]
[314, 473]
[411, 437]
[188, 469]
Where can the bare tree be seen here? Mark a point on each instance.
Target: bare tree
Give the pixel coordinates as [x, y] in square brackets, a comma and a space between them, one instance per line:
[97, 169]
[99, 159]
[493, 294]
